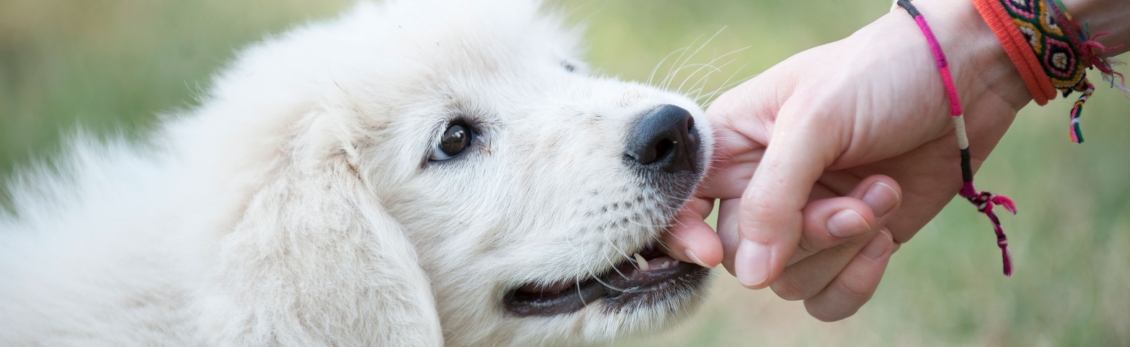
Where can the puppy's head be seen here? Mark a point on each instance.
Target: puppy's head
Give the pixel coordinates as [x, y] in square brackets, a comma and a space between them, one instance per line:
[530, 188]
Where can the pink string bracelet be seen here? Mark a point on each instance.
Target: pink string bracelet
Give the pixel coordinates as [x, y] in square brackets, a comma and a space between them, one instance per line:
[984, 200]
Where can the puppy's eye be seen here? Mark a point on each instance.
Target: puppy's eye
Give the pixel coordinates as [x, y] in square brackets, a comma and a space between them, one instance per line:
[454, 141]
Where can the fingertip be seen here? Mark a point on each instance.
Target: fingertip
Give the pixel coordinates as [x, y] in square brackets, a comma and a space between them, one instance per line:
[707, 255]
[752, 264]
[867, 183]
[694, 241]
[831, 222]
[847, 223]
[881, 193]
[764, 250]
[710, 258]
[828, 316]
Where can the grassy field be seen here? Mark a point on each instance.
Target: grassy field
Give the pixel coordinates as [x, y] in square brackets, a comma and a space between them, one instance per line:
[112, 65]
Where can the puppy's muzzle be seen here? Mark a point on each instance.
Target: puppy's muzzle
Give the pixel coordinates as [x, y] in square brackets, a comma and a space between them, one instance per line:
[664, 139]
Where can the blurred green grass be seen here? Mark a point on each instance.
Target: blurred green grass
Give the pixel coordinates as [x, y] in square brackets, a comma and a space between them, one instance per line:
[112, 66]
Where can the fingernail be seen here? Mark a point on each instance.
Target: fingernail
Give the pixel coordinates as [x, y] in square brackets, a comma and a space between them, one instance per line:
[751, 263]
[878, 246]
[881, 197]
[847, 223]
[690, 255]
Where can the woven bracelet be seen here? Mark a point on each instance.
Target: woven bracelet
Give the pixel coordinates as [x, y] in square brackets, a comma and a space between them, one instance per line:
[984, 201]
[1050, 51]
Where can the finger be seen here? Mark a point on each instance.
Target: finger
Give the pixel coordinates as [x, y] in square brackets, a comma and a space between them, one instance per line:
[831, 222]
[691, 239]
[854, 286]
[810, 276]
[728, 230]
[882, 194]
[771, 218]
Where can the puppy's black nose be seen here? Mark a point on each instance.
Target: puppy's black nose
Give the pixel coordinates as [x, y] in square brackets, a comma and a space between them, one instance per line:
[664, 139]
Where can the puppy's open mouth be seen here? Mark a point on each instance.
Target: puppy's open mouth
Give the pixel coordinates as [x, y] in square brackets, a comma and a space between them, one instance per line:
[651, 277]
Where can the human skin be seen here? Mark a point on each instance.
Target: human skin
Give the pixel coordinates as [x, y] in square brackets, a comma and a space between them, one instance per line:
[858, 129]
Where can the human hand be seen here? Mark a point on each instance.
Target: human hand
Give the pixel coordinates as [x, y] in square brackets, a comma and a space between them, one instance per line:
[809, 137]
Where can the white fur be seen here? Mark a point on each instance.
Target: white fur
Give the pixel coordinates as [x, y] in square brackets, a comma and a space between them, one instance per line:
[295, 206]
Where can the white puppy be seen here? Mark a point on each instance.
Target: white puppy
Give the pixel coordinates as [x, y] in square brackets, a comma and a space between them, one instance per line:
[409, 174]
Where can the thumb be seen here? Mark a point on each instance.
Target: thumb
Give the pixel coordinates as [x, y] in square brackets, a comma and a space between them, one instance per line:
[770, 219]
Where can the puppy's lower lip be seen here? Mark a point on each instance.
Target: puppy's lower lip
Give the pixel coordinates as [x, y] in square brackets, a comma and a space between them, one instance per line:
[648, 278]
[553, 288]
[531, 301]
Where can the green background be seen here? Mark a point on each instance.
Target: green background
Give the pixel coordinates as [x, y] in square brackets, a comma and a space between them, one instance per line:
[111, 66]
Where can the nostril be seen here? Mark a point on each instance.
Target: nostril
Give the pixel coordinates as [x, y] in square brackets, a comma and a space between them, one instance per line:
[663, 148]
[663, 139]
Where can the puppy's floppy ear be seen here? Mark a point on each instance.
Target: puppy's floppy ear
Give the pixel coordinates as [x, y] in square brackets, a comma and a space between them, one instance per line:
[315, 260]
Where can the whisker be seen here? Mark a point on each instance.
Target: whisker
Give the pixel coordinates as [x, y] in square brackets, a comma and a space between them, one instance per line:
[614, 246]
[725, 86]
[692, 74]
[683, 52]
[609, 286]
[710, 63]
[703, 81]
[578, 284]
[696, 88]
[614, 268]
[670, 77]
[661, 61]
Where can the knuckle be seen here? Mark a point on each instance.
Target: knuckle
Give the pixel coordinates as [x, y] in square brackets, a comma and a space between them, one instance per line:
[805, 248]
[754, 205]
[853, 291]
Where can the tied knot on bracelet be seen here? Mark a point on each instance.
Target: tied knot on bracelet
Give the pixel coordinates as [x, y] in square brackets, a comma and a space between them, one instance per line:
[984, 202]
[1088, 50]
[1092, 55]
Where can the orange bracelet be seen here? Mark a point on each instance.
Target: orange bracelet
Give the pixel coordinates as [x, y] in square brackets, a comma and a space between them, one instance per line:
[1018, 49]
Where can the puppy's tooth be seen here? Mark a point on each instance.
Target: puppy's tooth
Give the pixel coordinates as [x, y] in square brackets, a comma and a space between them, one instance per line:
[665, 265]
[641, 262]
[675, 263]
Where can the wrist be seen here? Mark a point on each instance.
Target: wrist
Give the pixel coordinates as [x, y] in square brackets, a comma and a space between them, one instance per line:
[982, 71]
[1104, 16]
